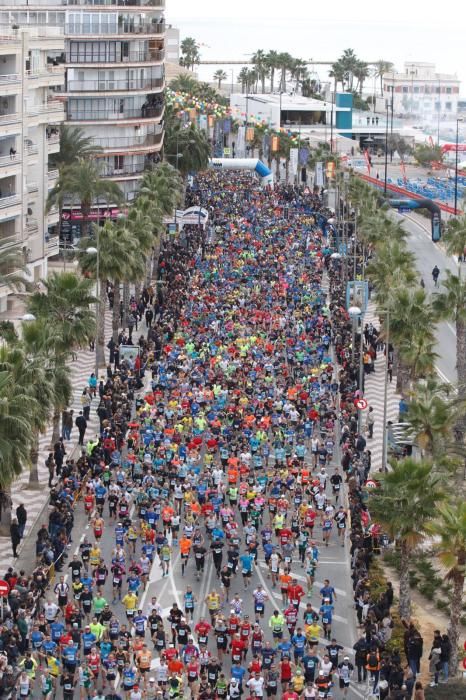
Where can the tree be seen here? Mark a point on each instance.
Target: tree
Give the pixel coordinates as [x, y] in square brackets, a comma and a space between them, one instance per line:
[164, 184]
[426, 155]
[82, 181]
[455, 238]
[12, 265]
[404, 505]
[192, 147]
[74, 145]
[361, 72]
[299, 71]
[381, 68]
[185, 83]
[243, 77]
[219, 76]
[190, 55]
[392, 264]
[285, 62]
[272, 62]
[349, 62]
[400, 145]
[449, 532]
[66, 306]
[338, 74]
[17, 410]
[261, 65]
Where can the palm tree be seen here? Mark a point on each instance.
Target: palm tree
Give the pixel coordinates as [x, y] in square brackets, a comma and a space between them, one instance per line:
[260, 61]
[12, 265]
[449, 531]
[337, 72]
[74, 145]
[17, 412]
[219, 76]
[404, 505]
[243, 77]
[184, 83]
[431, 417]
[272, 65]
[298, 71]
[190, 53]
[164, 184]
[42, 377]
[82, 181]
[361, 72]
[455, 238]
[450, 304]
[192, 147]
[349, 62]
[285, 62]
[393, 263]
[382, 67]
[66, 306]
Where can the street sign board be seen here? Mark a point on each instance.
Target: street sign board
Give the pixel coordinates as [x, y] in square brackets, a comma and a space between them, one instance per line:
[403, 210]
[361, 404]
[4, 588]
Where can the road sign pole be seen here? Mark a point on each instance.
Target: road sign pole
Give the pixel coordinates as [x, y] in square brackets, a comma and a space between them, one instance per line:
[385, 393]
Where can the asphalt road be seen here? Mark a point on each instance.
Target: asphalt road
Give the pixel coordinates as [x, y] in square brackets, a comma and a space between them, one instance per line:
[429, 254]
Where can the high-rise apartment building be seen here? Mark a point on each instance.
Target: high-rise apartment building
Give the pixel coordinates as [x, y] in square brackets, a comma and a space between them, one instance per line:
[115, 77]
[29, 119]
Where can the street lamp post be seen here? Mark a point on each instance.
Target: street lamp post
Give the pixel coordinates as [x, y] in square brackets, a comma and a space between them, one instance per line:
[386, 155]
[385, 394]
[458, 120]
[95, 251]
[354, 313]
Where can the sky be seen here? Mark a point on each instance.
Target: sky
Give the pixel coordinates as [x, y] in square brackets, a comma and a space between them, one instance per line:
[395, 31]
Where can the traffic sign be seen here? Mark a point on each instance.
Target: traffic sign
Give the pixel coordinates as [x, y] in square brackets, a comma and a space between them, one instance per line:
[403, 210]
[4, 589]
[361, 404]
[371, 484]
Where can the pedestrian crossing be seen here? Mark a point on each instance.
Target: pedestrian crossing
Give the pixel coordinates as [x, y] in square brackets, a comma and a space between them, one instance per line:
[374, 395]
[35, 499]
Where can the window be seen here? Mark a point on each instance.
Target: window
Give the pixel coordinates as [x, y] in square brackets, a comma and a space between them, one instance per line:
[448, 90]
[416, 90]
[118, 164]
[448, 106]
[405, 88]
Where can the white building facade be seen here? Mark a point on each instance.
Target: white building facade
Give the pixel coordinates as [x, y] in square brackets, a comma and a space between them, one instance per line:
[419, 91]
[30, 114]
[115, 76]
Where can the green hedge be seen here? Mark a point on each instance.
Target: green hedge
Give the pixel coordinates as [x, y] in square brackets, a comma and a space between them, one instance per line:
[453, 690]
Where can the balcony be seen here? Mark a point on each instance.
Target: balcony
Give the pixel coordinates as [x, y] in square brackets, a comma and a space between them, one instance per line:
[9, 200]
[123, 142]
[7, 161]
[32, 187]
[75, 115]
[32, 225]
[123, 27]
[11, 118]
[113, 3]
[53, 245]
[150, 56]
[115, 85]
[10, 79]
[52, 175]
[31, 150]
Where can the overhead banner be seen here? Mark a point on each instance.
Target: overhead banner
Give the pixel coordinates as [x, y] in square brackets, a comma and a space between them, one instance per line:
[303, 156]
[293, 169]
[319, 174]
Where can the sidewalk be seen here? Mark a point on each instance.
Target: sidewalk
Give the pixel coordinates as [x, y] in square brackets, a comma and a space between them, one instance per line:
[374, 395]
[35, 499]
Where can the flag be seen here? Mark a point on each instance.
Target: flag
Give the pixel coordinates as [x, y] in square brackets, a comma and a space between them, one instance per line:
[368, 162]
[403, 170]
[431, 142]
[275, 145]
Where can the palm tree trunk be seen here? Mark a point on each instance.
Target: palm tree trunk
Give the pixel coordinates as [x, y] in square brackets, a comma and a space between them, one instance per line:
[34, 468]
[116, 311]
[100, 340]
[5, 511]
[456, 609]
[125, 303]
[55, 426]
[405, 593]
[272, 78]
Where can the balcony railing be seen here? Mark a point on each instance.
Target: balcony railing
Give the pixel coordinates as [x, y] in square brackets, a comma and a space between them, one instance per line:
[5, 161]
[9, 200]
[104, 115]
[32, 187]
[51, 140]
[113, 3]
[110, 85]
[11, 118]
[132, 57]
[10, 79]
[123, 27]
[31, 150]
[53, 243]
[32, 225]
[129, 141]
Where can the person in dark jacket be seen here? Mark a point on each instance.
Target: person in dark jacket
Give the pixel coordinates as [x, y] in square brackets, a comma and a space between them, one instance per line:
[81, 424]
[21, 516]
[15, 536]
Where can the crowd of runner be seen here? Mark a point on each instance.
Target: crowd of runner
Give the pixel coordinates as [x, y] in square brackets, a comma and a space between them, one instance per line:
[232, 443]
